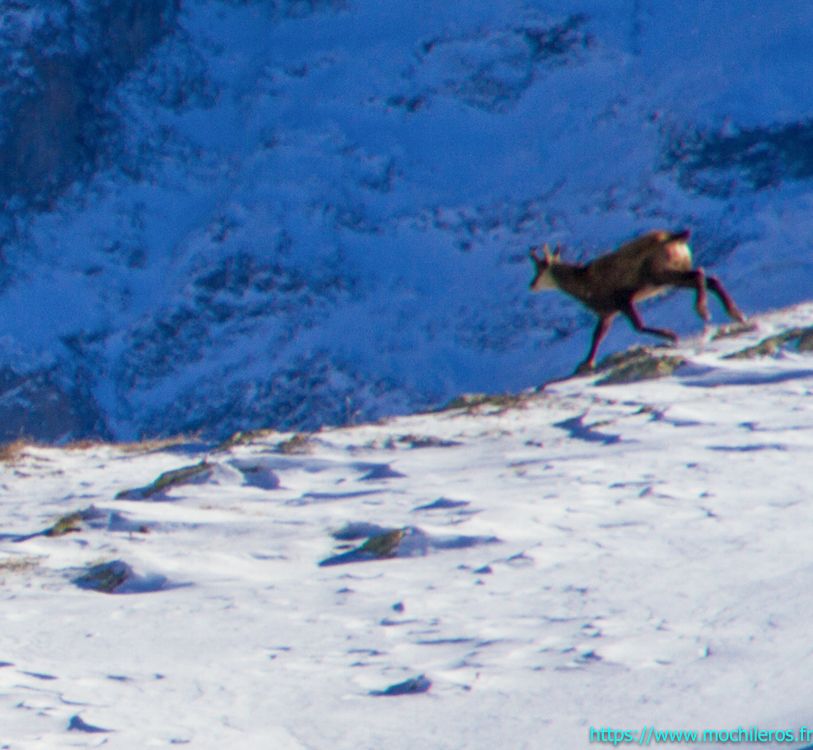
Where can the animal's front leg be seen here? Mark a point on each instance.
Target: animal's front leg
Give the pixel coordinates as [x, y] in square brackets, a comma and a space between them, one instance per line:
[599, 333]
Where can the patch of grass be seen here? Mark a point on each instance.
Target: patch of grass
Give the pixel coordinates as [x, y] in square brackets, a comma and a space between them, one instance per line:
[179, 476]
[732, 330]
[244, 437]
[65, 525]
[805, 343]
[472, 402]
[151, 445]
[12, 452]
[19, 564]
[427, 441]
[383, 545]
[297, 444]
[84, 444]
[644, 365]
[772, 344]
[166, 480]
[611, 361]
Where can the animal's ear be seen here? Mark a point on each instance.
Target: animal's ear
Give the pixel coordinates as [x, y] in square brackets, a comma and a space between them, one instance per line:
[558, 253]
[544, 260]
[681, 236]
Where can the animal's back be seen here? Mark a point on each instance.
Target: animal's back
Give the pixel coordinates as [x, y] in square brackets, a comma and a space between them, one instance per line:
[630, 269]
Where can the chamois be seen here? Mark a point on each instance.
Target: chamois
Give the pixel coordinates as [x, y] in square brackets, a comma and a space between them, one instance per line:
[639, 269]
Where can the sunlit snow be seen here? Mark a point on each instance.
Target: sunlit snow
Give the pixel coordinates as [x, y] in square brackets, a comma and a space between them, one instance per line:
[500, 575]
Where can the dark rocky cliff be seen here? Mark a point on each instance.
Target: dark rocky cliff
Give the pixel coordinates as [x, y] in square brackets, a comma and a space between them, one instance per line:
[60, 63]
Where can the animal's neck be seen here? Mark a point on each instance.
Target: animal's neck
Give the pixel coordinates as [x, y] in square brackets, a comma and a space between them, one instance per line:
[571, 279]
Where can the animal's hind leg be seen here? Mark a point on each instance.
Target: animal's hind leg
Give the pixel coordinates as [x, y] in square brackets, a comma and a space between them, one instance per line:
[733, 311]
[695, 279]
[632, 315]
[698, 280]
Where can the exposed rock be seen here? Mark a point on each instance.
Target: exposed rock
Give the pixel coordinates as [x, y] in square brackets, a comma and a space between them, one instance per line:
[719, 163]
[117, 577]
[297, 444]
[60, 62]
[295, 8]
[472, 401]
[65, 525]
[491, 69]
[39, 407]
[241, 437]
[732, 330]
[412, 686]
[384, 544]
[772, 344]
[304, 396]
[128, 29]
[427, 441]
[78, 724]
[106, 577]
[184, 475]
[47, 144]
[639, 364]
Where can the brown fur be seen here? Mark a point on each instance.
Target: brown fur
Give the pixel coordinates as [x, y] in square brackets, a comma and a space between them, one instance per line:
[639, 269]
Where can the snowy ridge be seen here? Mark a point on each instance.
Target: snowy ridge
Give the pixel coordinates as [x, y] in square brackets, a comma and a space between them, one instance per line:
[502, 574]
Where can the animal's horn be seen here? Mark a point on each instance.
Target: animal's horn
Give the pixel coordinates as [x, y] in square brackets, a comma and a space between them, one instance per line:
[546, 250]
[558, 252]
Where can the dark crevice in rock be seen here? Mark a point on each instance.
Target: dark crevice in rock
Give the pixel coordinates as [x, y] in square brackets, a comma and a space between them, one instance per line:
[721, 163]
[39, 406]
[57, 72]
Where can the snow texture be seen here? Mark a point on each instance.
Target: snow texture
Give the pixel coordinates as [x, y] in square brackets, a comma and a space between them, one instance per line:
[513, 571]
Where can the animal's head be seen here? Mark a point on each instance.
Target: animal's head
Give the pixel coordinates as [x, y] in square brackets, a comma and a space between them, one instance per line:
[543, 278]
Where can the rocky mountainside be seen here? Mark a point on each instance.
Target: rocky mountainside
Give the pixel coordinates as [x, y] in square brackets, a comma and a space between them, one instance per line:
[227, 215]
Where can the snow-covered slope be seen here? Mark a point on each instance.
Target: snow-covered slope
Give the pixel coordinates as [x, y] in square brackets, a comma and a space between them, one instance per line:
[289, 214]
[506, 573]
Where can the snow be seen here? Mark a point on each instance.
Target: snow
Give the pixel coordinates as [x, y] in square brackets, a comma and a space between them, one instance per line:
[410, 154]
[585, 555]
[317, 212]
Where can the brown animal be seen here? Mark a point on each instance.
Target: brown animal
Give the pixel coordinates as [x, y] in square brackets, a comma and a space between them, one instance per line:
[642, 268]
